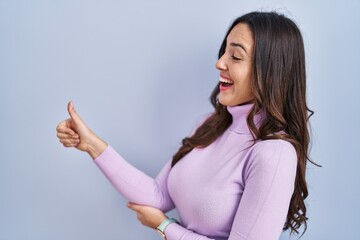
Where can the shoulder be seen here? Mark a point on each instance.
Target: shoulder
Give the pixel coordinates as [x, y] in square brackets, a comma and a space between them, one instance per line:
[273, 147]
[270, 155]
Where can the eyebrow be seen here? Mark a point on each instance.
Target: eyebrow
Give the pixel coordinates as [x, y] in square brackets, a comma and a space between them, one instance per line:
[238, 45]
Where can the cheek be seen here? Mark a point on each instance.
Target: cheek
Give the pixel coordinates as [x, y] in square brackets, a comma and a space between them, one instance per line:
[243, 85]
[243, 79]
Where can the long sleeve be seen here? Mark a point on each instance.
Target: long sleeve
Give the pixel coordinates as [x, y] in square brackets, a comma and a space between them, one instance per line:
[134, 184]
[269, 175]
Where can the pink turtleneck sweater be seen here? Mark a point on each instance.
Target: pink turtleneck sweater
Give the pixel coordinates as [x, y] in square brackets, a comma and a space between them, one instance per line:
[223, 191]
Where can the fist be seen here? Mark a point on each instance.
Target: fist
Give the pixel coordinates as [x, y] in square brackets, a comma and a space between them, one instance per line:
[73, 131]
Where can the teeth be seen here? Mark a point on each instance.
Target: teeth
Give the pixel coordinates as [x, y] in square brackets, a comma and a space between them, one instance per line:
[223, 80]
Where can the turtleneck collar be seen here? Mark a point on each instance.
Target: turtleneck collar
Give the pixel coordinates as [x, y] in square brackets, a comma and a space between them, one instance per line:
[239, 114]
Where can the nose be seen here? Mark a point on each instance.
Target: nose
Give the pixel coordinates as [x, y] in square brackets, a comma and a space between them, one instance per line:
[220, 64]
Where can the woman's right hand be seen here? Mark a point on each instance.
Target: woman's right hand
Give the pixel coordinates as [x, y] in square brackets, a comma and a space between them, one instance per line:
[73, 132]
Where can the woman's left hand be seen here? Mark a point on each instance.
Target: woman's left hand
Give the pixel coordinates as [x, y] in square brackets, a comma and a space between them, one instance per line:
[148, 216]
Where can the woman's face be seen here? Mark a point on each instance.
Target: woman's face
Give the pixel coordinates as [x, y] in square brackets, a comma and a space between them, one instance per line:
[236, 66]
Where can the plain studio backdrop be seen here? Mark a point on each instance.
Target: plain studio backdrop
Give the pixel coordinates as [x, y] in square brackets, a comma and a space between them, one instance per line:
[140, 74]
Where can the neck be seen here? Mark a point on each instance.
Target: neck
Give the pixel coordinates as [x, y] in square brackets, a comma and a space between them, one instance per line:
[239, 115]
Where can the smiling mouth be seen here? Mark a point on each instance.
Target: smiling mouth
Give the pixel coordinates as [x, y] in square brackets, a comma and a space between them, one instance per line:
[225, 82]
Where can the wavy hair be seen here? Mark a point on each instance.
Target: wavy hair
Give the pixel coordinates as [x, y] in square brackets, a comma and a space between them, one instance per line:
[279, 87]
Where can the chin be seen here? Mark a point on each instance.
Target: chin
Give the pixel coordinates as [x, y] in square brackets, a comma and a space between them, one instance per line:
[232, 103]
[227, 103]
[223, 102]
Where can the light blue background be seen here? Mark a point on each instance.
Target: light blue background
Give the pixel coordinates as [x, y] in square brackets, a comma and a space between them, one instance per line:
[140, 73]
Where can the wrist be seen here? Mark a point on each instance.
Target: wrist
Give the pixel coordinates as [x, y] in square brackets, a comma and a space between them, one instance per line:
[96, 146]
[163, 225]
[159, 221]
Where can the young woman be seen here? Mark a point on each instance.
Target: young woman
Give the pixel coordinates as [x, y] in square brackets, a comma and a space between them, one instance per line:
[241, 175]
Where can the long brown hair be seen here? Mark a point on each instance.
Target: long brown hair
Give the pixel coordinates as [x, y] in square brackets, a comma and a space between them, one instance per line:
[279, 88]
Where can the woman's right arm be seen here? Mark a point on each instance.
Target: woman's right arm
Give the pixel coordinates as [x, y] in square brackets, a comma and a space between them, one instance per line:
[133, 184]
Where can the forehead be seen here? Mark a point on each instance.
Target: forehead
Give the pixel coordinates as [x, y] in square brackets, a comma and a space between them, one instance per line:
[242, 34]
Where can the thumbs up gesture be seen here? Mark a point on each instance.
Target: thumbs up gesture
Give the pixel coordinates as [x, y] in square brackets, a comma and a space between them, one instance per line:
[73, 132]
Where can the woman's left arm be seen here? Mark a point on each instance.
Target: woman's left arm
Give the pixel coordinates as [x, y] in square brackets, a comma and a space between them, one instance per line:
[269, 177]
[153, 217]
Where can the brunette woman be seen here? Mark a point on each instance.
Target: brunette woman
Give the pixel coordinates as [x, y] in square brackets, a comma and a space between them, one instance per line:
[241, 174]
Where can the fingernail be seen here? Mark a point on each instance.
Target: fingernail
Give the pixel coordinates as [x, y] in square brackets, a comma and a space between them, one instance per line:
[71, 105]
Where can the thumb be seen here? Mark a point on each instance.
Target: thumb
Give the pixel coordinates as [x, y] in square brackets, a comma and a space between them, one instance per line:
[73, 114]
[134, 207]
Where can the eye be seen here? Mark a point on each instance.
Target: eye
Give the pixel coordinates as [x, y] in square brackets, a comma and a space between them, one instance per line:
[235, 58]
